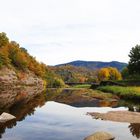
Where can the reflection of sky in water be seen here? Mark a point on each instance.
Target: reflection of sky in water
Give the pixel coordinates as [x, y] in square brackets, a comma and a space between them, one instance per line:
[56, 121]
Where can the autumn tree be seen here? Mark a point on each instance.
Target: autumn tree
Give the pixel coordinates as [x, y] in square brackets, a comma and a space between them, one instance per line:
[114, 74]
[73, 74]
[4, 59]
[103, 74]
[3, 39]
[17, 56]
[109, 73]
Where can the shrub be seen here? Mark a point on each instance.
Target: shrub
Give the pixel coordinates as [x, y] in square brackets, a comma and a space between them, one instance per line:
[55, 83]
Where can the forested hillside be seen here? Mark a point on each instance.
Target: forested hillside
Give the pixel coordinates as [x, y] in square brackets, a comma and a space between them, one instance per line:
[93, 65]
[12, 55]
[75, 74]
[17, 58]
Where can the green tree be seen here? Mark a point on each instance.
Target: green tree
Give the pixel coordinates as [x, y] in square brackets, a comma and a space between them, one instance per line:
[134, 62]
[125, 73]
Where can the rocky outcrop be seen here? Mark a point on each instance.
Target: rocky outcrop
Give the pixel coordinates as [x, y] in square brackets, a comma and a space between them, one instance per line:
[5, 117]
[118, 116]
[16, 86]
[100, 136]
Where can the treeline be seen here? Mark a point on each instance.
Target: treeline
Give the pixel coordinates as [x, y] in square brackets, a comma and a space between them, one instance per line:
[130, 73]
[14, 56]
[72, 74]
[75, 74]
[18, 58]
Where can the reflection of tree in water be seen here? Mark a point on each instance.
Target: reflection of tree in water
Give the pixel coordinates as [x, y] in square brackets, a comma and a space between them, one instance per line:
[135, 129]
[21, 110]
[78, 98]
[134, 108]
[6, 125]
[132, 105]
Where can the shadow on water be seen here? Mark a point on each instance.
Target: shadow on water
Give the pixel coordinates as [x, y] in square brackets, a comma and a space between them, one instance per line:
[22, 109]
[133, 106]
[135, 129]
[68, 96]
[3, 127]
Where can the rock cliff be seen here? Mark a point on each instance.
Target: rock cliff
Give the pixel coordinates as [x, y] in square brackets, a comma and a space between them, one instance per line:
[16, 86]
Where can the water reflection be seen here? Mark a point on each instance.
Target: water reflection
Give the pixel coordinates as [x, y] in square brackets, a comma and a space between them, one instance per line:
[78, 98]
[11, 95]
[3, 127]
[135, 129]
[130, 104]
[22, 109]
[68, 96]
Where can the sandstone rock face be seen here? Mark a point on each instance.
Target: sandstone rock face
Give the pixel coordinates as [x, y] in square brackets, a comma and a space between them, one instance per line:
[5, 117]
[100, 136]
[18, 86]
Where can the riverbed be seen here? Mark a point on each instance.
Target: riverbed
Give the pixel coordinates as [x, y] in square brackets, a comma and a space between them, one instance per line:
[45, 119]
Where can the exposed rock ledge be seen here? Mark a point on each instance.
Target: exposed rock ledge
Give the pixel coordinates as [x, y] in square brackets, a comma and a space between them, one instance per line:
[118, 116]
[5, 117]
[100, 136]
[17, 86]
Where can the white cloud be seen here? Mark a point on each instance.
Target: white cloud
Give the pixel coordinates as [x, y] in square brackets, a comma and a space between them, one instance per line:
[57, 31]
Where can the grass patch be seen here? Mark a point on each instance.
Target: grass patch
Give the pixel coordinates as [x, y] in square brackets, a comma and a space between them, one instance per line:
[124, 92]
[82, 86]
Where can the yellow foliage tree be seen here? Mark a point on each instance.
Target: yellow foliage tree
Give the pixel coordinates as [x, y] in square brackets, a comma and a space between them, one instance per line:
[114, 74]
[103, 74]
[109, 73]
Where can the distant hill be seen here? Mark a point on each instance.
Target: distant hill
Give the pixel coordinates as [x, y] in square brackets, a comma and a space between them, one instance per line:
[93, 65]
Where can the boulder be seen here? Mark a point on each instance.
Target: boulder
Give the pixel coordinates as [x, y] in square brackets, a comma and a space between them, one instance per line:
[100, 136]
[5, 117]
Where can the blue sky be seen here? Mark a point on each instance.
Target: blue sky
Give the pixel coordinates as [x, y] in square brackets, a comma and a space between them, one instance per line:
[58, 31]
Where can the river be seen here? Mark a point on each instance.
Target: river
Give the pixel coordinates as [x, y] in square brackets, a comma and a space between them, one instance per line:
[47, 118]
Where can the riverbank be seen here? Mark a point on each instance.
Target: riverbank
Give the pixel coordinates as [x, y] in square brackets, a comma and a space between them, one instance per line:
[122, 92]
[118, 116]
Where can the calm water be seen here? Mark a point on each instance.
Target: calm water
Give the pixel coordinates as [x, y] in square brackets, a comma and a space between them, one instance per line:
[45, 119]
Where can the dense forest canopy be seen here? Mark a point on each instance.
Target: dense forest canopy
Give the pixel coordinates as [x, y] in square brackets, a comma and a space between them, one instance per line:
[75, 74]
